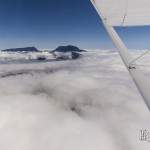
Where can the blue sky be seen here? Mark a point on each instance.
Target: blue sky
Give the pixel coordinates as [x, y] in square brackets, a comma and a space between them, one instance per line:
[50, 23]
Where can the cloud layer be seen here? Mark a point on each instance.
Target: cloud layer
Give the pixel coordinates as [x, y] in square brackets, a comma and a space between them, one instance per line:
[90, 103]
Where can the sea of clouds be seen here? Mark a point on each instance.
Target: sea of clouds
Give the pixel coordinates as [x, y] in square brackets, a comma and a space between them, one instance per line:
[85, 104]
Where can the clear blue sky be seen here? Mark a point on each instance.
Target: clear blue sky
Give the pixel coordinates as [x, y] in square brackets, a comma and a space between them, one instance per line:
[50, 23]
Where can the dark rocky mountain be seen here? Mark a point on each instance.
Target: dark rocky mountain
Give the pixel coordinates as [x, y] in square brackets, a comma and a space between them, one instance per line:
[68, 48]
[67, 52]
[25, 49]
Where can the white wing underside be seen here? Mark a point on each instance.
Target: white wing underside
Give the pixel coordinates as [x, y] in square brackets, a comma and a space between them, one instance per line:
[125, 12]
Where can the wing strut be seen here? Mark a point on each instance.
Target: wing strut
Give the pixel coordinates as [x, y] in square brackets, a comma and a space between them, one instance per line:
[137, 75]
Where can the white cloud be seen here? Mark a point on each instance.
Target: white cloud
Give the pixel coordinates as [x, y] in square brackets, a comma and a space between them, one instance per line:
[89, 103]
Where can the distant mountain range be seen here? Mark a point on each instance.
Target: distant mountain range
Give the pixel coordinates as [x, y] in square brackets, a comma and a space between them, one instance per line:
[63, 49]
[25, 49]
